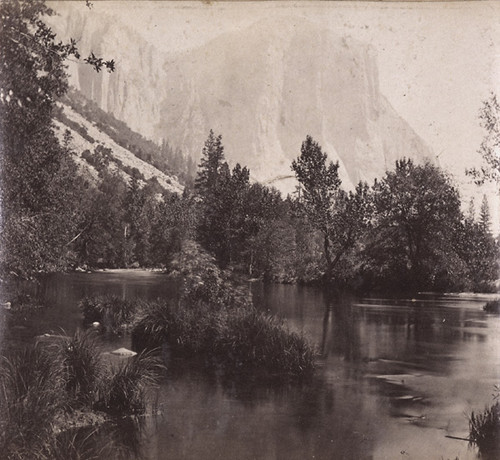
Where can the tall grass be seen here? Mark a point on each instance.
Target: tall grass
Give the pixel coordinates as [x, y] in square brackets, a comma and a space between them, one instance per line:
[215, 320]
[235, 340]
[259, 342]
[83, 368]
[152, 325]
[46, 389]
[125, 390]
[112, 312]
[32, 393]
[484, 431]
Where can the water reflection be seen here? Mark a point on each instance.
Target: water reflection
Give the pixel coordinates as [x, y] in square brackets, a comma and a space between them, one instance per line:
[395, 375]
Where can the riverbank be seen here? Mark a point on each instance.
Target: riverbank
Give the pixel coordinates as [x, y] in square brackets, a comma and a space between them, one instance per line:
[52, 387]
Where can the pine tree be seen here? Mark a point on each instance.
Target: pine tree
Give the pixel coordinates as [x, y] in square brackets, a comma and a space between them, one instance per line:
[209, 170]
[484, 215]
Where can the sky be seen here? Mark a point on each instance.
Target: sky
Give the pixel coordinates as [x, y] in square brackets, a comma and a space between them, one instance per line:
[437, 61]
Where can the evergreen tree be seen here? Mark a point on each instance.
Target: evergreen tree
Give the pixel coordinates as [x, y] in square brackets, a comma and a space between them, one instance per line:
[209, 170]
[484, 215]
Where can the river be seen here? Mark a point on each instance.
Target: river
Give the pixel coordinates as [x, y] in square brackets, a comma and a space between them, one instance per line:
[395, 376]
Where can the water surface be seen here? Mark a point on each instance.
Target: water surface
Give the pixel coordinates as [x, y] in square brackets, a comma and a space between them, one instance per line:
[395, 376]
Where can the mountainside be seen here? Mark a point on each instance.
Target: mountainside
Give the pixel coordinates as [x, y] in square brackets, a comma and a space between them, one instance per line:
[264, 89]
[94, 150]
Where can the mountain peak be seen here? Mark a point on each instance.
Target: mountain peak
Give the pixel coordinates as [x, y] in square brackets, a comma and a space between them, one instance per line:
[264, 88]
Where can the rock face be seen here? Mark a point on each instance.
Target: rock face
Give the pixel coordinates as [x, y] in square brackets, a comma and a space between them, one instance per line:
[264, 89]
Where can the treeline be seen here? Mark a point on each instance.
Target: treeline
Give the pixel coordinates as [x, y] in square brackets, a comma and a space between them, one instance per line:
[406, 230]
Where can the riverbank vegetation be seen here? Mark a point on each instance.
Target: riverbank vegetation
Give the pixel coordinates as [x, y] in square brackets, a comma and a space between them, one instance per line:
[213, 321]
[407, 229]
[47, 390]
[484, 430]
[493, 306]
[113, 313]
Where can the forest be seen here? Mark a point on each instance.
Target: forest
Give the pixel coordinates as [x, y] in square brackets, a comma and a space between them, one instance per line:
[407, 229]
[407, 232]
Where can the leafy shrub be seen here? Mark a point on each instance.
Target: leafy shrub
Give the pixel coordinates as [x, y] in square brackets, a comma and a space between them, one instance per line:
[204, 283]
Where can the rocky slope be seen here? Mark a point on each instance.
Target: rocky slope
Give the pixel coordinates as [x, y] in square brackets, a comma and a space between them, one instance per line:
[264, 89]
[86, 136]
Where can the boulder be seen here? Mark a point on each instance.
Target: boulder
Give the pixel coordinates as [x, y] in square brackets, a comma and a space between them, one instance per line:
[123, 352]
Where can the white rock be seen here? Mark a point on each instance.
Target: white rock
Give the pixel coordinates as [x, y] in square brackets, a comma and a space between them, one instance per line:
[123, 352]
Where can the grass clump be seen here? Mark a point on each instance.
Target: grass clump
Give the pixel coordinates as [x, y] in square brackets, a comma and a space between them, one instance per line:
[232, 339]
[46, 391]
[125, 390]
[484, 431]
[83, 368]
[260, 342]
[31, 396]
[113, 313]
[216, 321]
[493, 306]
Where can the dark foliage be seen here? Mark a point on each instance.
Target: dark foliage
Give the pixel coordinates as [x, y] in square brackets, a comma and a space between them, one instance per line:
[485, 431]
[493, 306]
[125, 390]
[113, 313]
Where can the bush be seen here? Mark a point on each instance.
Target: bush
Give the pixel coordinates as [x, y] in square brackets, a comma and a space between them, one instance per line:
[485, 431]
[112, 312]
[204, 283]
[493, 306]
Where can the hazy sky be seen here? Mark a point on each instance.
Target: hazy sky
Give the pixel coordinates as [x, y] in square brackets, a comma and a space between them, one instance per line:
[437, 61]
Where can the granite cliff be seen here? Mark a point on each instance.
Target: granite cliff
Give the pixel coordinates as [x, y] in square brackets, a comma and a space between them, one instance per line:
[263, 88]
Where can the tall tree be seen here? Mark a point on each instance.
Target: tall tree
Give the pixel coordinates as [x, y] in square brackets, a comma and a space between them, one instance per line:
[37, 175]
[417, 219]
[489, 150]
[209, 170]
[320, 189]
[484, 215]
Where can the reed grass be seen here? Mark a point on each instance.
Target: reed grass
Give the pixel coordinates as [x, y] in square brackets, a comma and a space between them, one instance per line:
[484, 431]
[260, 342]
[113, 313]
[152, 325]
[31, 395]
[235, 340]
[45, 390]
[83, 367]
[125, 390]
[493, 306]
